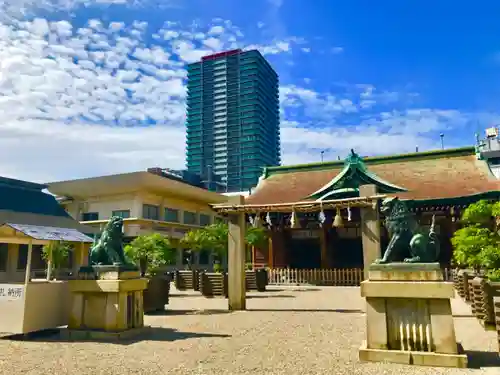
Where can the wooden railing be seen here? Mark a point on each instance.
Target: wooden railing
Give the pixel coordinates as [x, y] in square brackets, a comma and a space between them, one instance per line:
[327, 277]
[332, 277]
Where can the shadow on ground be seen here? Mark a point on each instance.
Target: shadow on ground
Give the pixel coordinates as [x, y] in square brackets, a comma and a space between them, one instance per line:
[343, 311]
[292, 288]
[193, 295]
[150, 334]
[479, 359]
[167, 312]
[270, 296]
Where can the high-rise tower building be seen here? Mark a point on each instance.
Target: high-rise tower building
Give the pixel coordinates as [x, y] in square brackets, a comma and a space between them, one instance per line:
[232, 118]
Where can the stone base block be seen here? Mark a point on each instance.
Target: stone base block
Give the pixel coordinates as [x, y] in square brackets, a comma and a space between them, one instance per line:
[97, 335]
[406, 272]
[409, 317]
[412, 358]
[107, 305]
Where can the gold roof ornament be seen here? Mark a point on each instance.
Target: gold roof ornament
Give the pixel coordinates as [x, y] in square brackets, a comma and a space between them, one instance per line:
[338, 222]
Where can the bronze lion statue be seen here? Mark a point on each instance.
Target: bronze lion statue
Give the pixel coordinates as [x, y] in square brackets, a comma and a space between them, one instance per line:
[108, 247]
[408, 242]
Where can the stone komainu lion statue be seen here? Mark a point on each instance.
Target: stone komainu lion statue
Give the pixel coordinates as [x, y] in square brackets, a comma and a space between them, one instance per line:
[408, 243]
[108, 247]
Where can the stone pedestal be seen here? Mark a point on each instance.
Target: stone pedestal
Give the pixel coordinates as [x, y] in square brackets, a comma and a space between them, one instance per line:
[107, 302]
[409, 318]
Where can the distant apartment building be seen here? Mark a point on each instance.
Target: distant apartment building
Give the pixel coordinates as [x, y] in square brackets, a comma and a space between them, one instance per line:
[233, 126]
[152, 201]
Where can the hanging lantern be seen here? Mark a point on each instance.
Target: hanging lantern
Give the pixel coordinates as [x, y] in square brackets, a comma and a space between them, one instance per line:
[268, 219]
[257, 222]
[452, 213]
[294, 221]
[321, 216]
[338, 222]
[349, 216]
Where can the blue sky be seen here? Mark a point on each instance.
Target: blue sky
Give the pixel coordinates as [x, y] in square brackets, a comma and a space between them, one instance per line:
[90, 87]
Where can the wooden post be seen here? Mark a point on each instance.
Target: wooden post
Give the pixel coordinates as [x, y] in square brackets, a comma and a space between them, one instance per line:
[27, 276]
[236, 258]
[49, 262]
[84, 255]
[270, 254]
[370, 230]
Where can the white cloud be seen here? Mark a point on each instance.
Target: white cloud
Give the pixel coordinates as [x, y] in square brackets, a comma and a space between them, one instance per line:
[216, 30]
[396, 133]
[77, 102]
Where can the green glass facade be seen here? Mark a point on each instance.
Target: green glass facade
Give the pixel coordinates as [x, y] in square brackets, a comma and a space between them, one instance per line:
[233, 118]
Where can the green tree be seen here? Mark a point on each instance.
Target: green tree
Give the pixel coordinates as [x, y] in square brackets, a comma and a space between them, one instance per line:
[151, 252]
[57, 253]
[214, 237]
[476, 244]
[256, 236]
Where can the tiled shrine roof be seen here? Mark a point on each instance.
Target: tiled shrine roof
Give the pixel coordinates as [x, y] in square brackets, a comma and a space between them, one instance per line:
[436, 176]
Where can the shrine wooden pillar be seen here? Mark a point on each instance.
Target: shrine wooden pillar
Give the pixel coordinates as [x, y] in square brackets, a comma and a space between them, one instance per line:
[370, 229]
[236, 257]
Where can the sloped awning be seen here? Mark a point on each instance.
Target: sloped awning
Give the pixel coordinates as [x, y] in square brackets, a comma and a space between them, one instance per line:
[45, 233]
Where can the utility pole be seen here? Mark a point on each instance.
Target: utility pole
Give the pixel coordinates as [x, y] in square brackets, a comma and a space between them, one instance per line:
[442, 140]
[322, 154]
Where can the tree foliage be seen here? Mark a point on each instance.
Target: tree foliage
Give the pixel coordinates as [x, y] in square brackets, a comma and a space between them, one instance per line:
[151, 251]
[214, 237]
[476, 244]
[256, 236]
[56, 252]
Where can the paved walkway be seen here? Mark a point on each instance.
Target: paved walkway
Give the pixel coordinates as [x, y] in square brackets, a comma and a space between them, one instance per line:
[286, 331]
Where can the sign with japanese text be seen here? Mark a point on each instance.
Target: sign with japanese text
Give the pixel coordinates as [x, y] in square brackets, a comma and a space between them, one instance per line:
[11, 292]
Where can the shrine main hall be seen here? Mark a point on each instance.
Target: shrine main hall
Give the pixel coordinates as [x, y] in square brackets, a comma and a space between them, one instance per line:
[441, 183]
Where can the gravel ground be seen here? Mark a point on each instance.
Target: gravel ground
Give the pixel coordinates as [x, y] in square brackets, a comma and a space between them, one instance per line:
[289, 331]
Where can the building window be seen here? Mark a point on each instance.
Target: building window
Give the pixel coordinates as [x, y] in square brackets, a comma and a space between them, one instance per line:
[190, 218]
[171, 215]
[4, 256]
[204, 220]
[22, 258]
[151, 212]
[124, 214]
[90, 216]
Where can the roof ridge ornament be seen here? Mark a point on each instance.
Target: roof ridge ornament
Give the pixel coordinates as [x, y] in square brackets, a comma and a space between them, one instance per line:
[354, 159]
[353, 175]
